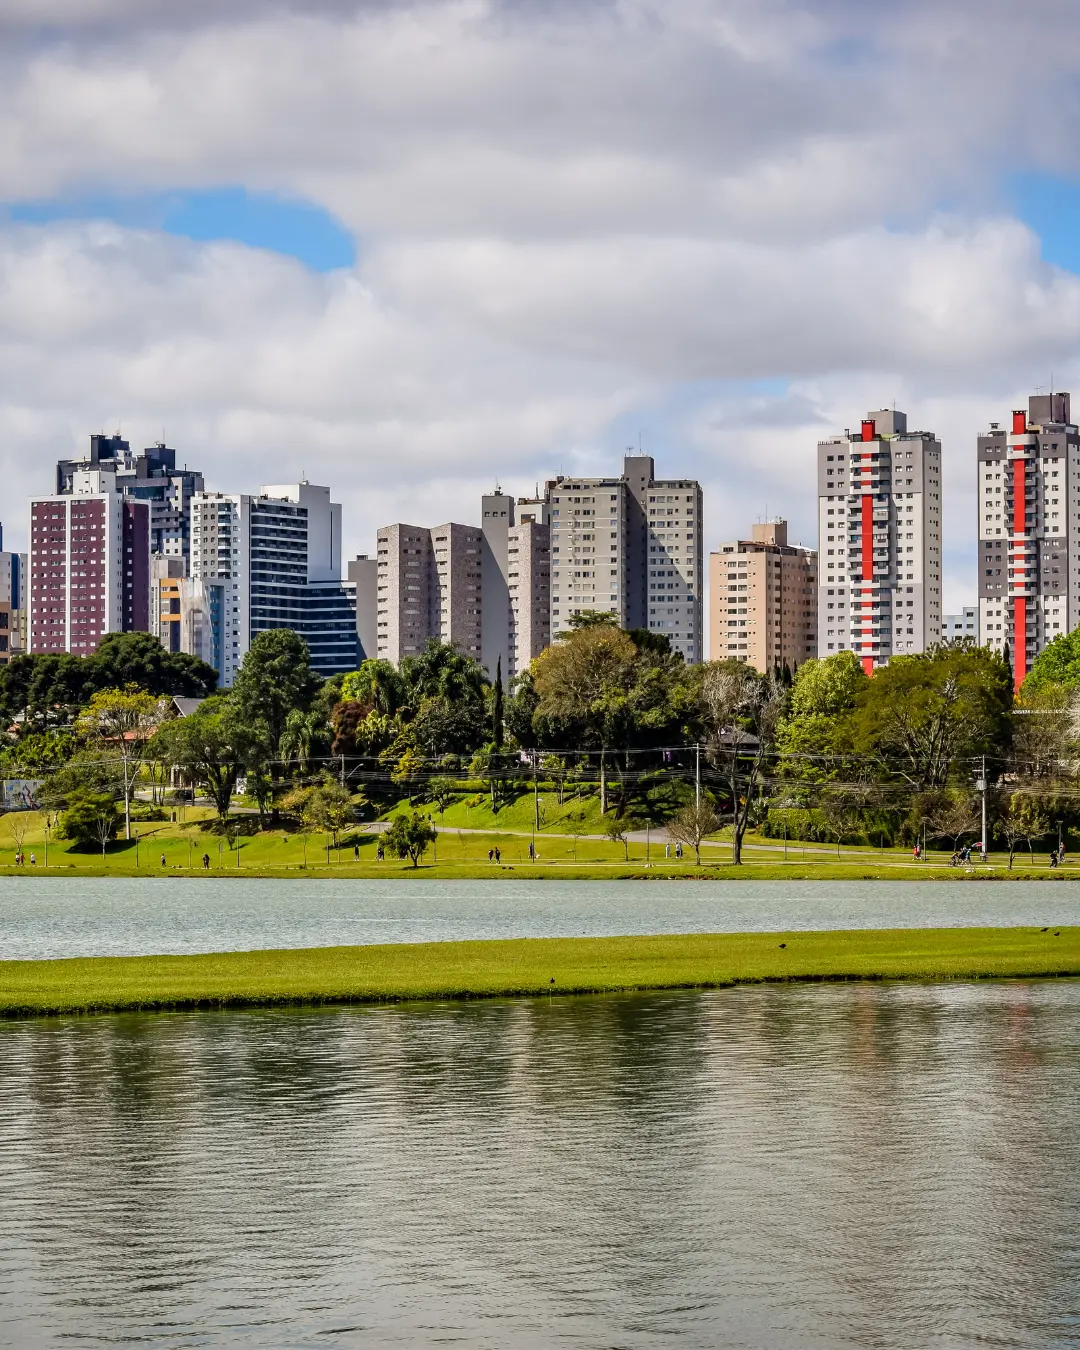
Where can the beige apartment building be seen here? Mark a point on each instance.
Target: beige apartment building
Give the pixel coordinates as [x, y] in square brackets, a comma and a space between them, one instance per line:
[763, 600]
[429, 586]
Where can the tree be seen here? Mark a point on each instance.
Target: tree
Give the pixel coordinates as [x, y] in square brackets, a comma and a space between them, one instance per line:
[325, 806]
[616, 828]
[583, 679]
[330, 807]
[953, 814]
[815, 730]
[1024, 819]
[90, 818]
[121, 722]
[490, 764]
[692, 823]
[409, 837]
[1057, 664]
[274, 681]
[210, 747]
[376, 686]
[497, 706]
[139, 659]
[442, 670]
[442, 792]
[742, 710]
[305, 732]
[19, 825]
[841, 814]
[922, 715]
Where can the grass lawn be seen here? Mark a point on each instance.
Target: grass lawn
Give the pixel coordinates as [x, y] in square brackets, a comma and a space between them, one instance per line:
[459, 852]
[529, 966]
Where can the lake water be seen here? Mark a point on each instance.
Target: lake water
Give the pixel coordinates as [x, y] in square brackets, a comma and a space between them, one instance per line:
[129, 916]
[802, 1168]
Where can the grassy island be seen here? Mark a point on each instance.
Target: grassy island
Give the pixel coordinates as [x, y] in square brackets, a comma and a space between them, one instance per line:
[492, 969]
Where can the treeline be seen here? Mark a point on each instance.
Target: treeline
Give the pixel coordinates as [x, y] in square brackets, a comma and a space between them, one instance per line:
[822, 752]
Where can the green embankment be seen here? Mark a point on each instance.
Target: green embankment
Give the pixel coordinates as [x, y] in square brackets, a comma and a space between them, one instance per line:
[460, 853]
[460, 970]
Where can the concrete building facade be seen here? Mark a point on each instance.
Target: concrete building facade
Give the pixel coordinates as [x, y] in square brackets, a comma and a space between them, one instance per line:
[151, 477]
[630, 547]
[273, 560]
[12, 603]
[1029, 522]
[879, 540]
[763, 600]
[529, 584]
[430, 585]
[363, 573]
[88, 566]
[954, 627]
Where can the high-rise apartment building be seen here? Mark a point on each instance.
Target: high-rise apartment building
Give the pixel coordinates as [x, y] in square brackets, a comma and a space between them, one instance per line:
[1029, 520]
[363, 575]
[529, 584]
[955, 627]
[485, 590]
[150, 477]
[879, 535]
[631, 547]
[763, 600]
[89, 565]
[273, 561]
[429, 586]
[12, 606]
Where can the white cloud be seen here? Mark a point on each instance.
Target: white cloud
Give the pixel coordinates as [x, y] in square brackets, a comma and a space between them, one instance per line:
[572, 217]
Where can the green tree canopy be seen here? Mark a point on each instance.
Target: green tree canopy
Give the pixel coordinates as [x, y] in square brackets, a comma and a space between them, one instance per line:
[90, 818]
[1058, 663]
[927, 717]
[210, 747]
[274, 681]
[409, 837]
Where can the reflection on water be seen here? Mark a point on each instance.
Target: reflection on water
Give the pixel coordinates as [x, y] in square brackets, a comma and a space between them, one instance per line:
[757, 1167]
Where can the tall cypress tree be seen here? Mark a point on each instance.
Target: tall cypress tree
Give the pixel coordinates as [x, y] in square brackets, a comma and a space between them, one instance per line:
[497, 706]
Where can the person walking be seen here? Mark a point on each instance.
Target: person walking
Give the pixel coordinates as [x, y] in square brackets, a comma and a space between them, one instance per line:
[678, 852]
[206, 861]
[33, 859]
[532, 852]
[379, 854]
[498, 856]
[163, 860]
[491, 854]
[356, 852]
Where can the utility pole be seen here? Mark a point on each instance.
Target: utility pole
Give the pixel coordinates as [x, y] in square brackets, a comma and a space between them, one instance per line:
[697, 776]
[981, 785]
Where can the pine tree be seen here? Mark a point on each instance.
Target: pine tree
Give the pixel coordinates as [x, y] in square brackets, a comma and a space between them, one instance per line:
[497, 706]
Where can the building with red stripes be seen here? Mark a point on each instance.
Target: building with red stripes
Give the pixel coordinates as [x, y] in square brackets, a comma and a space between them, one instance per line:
[1025, 473]
[879, 532]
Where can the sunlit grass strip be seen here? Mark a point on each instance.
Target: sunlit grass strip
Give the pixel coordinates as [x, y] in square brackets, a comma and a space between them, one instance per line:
[465, 970]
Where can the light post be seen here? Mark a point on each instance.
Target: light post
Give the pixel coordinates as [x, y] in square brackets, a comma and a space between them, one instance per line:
[980, 787]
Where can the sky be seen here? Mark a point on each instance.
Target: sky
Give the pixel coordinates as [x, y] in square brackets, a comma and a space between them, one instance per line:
[414, 250]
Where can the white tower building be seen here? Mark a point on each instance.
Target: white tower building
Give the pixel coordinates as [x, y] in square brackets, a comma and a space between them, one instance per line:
[879, 533]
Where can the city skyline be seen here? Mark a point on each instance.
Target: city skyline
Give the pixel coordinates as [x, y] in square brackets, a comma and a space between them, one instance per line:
[883, 439]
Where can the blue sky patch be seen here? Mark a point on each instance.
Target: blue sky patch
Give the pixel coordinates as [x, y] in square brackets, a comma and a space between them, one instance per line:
[1051, 207]
[296, 228]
